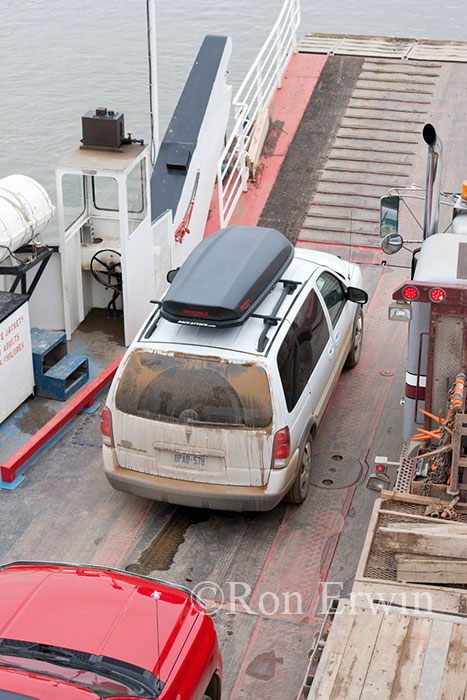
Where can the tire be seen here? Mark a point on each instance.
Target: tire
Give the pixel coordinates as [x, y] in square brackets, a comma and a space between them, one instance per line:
[357, 340]
[301, 485]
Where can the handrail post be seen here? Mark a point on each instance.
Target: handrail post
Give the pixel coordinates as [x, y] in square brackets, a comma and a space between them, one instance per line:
[278, 59]
[259, 80]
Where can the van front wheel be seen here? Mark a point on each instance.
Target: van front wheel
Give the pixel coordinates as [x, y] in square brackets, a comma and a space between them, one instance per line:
[300, 486]
[357, 339]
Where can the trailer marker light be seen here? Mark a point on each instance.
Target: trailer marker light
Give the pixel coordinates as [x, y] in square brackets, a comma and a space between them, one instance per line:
[410, 293]
[437, 294]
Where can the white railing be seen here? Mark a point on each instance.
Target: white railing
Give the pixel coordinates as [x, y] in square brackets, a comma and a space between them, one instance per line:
[251, 99]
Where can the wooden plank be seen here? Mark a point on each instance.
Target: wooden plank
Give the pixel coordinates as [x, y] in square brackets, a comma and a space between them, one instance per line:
[385, 657]
[412, 595]
[258, 138]
[424, 539]
[408, 672]
[408, 498]
[429, 527]
[454, 680]
[435, 660]
[355, 663]
[422, 569]
[333, 653]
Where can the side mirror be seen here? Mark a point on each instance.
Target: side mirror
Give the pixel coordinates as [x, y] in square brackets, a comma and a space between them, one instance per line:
[171, 275]
[378, 482]
[389, 215]
[359, 296]
[392, 243]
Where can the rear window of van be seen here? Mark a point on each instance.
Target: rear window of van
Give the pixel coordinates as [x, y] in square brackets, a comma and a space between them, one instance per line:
[189, 389]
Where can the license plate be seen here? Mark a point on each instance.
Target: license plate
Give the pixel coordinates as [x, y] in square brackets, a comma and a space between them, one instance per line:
[189, 460]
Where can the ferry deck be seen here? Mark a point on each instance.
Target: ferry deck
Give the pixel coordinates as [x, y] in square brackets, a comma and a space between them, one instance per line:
[345, 128]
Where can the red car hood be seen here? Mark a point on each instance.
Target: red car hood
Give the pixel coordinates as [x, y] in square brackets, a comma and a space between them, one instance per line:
[100, 612]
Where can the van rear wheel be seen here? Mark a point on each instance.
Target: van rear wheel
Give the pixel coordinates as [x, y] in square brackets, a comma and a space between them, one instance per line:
[301, 485]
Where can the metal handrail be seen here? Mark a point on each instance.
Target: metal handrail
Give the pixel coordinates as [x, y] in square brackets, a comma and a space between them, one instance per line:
[251, 99]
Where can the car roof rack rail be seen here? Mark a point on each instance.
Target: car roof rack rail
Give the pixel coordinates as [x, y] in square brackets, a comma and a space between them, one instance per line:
[272, 320]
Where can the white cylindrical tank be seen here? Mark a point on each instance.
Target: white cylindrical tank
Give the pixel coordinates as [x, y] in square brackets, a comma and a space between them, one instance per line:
[25, 211]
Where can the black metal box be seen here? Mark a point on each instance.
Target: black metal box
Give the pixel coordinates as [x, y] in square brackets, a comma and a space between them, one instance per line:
[103, 128]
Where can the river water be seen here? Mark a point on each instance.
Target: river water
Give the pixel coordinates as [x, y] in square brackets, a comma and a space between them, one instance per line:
[60, 59]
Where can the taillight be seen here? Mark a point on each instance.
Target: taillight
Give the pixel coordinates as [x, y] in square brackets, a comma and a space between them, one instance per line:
[106, 427]
[410, 293]
[281, 449]
[437, 294]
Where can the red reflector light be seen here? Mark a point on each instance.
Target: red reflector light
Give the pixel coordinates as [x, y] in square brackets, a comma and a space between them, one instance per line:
[281, 448]
[380, 468]
[410, 293]
[437, 294]
[106, 427]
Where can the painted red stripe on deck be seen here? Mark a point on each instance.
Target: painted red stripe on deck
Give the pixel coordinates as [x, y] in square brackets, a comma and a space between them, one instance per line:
[347, 429]
[286, 110]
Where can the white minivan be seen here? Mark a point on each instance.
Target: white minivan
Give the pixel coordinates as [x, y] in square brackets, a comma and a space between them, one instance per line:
[218, 398]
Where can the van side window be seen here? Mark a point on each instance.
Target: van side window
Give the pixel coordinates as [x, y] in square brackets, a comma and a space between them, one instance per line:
[333, 294]
[302, 348]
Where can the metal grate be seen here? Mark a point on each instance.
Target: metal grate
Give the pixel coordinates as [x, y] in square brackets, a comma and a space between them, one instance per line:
[405, 475]
[447, 359]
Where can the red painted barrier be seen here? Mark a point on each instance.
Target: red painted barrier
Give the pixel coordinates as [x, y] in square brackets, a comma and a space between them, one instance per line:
[85, 398]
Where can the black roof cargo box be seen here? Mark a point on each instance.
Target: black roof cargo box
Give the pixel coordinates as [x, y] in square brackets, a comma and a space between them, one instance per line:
[227, 276]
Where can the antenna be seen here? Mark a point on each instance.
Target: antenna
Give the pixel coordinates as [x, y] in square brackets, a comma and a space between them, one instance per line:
[153, 98]
[155, 595]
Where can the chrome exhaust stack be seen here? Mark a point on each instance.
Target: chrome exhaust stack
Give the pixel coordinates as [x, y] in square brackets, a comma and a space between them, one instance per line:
[433, 180]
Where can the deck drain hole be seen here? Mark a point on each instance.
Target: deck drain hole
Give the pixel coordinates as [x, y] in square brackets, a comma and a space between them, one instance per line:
[327, 482]
[337, 458]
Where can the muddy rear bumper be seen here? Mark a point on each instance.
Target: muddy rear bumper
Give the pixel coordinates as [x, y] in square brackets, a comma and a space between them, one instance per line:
[200, 495]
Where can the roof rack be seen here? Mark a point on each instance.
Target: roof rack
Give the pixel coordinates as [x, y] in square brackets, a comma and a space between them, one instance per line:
[289, 287]
[227, 276]
[220, 270]
[269, 319]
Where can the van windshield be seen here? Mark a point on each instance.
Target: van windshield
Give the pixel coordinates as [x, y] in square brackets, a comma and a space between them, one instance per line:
[189, 389]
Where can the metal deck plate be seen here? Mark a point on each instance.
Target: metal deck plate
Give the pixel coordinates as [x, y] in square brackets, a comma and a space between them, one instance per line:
[384, 47]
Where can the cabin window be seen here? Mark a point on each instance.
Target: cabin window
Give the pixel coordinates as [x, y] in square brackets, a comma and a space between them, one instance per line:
[136, 196]
[73, 198]
[105, 193]
[195, 390]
